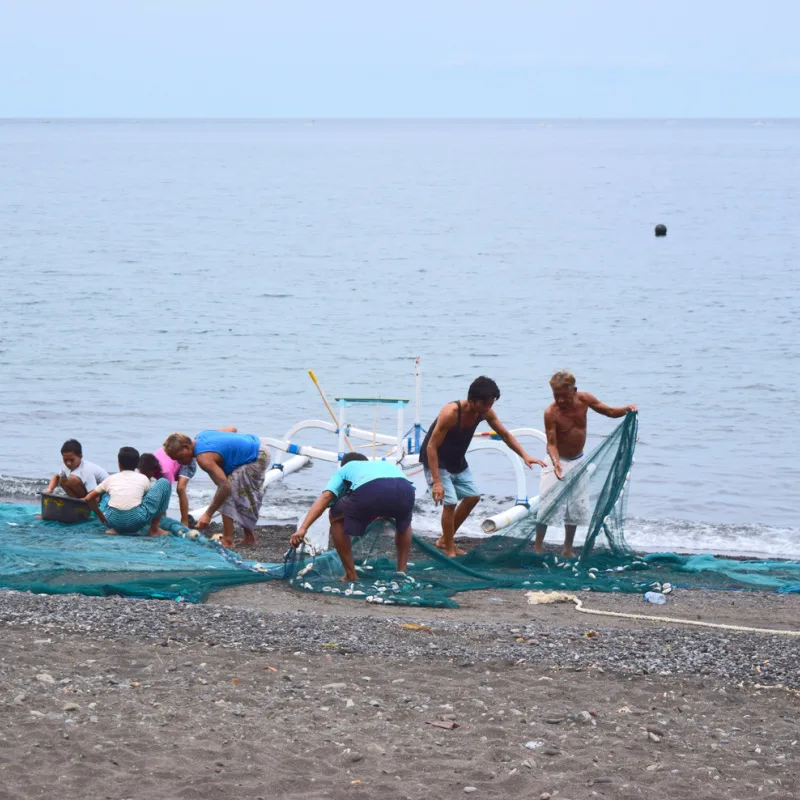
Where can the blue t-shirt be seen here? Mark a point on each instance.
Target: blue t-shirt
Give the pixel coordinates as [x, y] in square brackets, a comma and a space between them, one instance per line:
[235, 449]
[357, 473]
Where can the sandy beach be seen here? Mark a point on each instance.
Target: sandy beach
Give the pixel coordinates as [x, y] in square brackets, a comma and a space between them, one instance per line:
[266, 692]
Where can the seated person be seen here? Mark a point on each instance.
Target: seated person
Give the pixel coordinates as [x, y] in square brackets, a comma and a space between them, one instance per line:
[182, 473]
[150, 466]
[78, 476]
[132, 503]
[359, 492]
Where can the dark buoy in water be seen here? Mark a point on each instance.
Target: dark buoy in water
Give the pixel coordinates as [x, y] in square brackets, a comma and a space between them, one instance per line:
[661, 230]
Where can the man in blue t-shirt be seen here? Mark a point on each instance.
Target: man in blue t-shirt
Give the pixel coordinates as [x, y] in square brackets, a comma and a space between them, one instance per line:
[359, 492]
[237, 463]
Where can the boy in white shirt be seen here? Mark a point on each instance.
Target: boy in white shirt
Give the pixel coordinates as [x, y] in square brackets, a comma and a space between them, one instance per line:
[78, 476]
[132, 503]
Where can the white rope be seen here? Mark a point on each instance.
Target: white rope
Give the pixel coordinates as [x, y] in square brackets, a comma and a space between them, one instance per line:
[537, 598]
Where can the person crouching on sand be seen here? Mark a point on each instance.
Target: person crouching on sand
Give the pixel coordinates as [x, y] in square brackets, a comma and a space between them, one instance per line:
[133, 507]
[565, 425]
[359, 492]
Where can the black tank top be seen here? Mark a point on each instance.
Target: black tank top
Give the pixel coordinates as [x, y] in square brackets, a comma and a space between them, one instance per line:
[453, 449]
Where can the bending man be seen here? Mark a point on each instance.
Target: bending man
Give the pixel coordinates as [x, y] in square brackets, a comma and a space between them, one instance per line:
[443, 454]
[237, 463]
[359, 492]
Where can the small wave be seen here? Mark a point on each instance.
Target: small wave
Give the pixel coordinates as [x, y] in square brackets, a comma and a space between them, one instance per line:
[17, 488]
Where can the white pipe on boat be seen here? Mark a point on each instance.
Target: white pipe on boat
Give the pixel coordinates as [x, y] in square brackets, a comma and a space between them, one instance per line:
[356, 433]
[380, 438]
[537, 434]
[518, 511]
[300, 449]
[516, 462]
[307, 423]
[278, 473]
[508, 517]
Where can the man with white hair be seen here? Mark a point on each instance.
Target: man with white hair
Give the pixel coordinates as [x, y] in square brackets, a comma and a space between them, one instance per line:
[565, 425]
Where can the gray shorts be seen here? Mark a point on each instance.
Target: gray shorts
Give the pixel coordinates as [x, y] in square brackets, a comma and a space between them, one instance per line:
[457, 485]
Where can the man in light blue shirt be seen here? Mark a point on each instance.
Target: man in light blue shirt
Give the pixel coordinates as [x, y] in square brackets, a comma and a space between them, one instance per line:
[359, 492]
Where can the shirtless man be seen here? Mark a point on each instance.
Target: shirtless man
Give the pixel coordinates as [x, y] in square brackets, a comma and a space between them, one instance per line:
[565, 426]
[443, 455]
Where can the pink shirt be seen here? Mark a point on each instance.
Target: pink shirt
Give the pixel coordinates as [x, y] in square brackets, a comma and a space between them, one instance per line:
[169, 467]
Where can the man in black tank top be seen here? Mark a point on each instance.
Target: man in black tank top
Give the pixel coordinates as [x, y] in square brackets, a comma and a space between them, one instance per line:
[443, 454]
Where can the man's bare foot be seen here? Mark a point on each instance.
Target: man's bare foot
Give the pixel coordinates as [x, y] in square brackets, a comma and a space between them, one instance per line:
[158, 532]
[248, 541]
[349, 578]
[538, 548]
[111, 532]
[226, 543]
[451, 550]
[568, 553]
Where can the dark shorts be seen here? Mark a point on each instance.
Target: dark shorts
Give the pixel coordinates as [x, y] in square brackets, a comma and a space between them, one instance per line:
[383, 497]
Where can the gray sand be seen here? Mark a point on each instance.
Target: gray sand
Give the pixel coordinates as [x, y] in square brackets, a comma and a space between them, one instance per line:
[266, 692]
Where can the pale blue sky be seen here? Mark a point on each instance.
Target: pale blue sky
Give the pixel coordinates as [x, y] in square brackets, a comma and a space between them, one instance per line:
[373, 58]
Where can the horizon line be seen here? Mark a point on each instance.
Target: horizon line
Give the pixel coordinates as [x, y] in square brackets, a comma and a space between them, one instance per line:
[313, 118]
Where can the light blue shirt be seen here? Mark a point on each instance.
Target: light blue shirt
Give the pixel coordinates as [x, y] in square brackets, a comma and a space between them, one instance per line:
[357, 473]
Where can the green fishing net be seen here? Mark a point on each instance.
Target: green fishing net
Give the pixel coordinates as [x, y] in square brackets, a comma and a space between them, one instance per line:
[597, 489]
[42, 556]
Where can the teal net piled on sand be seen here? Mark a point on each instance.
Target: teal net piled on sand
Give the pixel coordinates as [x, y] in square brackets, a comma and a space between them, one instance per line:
[51, 557]
[41, 556]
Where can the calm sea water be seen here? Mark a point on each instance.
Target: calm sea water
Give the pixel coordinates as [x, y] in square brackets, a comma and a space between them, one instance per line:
[181, 275]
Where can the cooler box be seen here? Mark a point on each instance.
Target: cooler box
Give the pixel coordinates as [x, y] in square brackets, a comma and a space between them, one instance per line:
[60, 508]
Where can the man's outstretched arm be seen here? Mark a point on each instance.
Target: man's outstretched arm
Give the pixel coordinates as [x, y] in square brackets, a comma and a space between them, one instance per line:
[511, 441]
[607, 411]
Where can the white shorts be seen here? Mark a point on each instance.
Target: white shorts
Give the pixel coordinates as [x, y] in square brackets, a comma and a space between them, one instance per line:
[570, 507]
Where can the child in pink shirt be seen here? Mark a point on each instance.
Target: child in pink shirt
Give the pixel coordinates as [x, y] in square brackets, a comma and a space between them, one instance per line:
[173, 471]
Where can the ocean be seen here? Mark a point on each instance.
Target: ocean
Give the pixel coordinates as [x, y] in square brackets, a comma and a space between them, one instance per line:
[178, 275]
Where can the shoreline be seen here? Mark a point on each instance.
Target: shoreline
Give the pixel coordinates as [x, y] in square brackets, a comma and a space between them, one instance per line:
[273, 542]
[739, 553]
